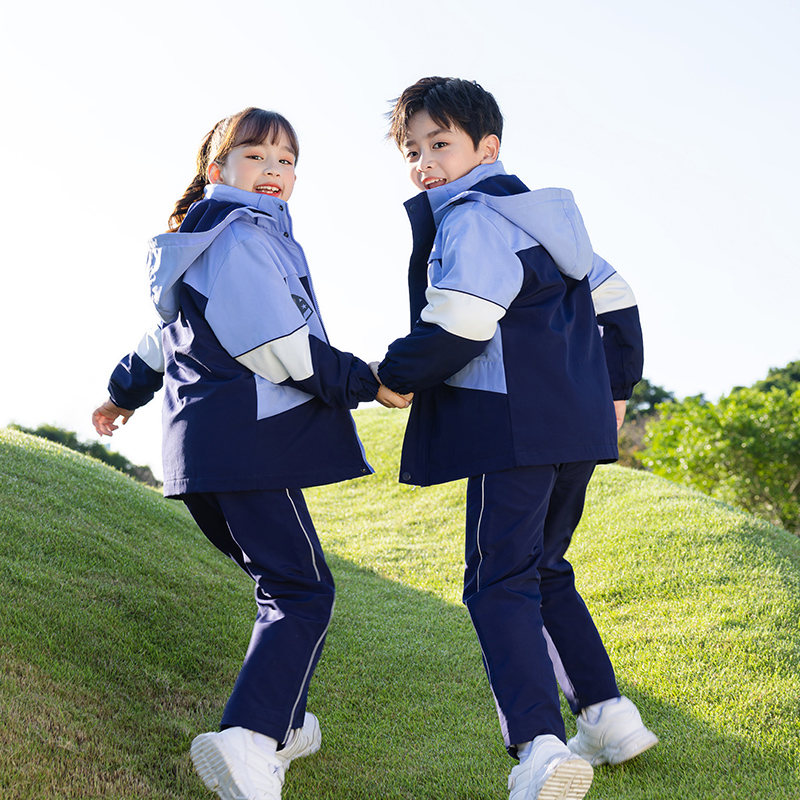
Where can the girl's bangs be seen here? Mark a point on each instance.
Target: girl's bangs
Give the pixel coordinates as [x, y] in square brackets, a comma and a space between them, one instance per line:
[257, 125]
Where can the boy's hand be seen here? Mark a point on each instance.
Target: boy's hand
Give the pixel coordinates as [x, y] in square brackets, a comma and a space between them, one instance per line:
[389, 399]
[104, 417]
[620, 407]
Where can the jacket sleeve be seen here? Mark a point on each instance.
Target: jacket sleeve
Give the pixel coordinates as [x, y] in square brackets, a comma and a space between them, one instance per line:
[264, 324]
[475, 276]
[140, 374]
[339, 379]
[618, 318]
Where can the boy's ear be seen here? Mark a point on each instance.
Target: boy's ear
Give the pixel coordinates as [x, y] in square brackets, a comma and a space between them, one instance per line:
[489, 148]
[214, 173]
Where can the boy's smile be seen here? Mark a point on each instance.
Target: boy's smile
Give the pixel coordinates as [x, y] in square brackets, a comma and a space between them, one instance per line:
[438, 155]
[265, 168]
[430, 183]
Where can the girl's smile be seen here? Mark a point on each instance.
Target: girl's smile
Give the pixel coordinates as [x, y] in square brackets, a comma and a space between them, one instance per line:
[268, 188]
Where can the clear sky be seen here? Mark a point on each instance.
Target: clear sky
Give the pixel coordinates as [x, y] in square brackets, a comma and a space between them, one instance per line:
[674, 124]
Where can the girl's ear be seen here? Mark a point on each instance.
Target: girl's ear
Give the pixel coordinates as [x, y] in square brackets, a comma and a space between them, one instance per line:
[214, 173]
[489, 148]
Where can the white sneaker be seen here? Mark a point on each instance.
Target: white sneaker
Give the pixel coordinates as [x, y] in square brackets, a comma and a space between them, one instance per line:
[303, 741]
[237, 766]
[611, 732]
[550, 771]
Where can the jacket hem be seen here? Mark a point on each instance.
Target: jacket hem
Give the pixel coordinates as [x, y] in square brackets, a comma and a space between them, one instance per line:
[603, 454]
[176, 487]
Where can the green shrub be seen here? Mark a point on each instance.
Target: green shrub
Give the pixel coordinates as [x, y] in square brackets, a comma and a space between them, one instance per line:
[641, 408]
[744, 450]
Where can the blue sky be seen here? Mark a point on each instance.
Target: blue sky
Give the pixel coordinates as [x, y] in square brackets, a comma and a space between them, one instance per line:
[674, 124]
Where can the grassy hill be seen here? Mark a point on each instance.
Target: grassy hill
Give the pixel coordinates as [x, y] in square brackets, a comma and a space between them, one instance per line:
[122, 631]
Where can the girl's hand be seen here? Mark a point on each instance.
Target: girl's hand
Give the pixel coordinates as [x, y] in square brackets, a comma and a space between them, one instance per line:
[389, 399]
[104, 417]
[386, 397]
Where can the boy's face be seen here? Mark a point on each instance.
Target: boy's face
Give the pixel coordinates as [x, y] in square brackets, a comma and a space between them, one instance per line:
[265, 168]
[437, 155]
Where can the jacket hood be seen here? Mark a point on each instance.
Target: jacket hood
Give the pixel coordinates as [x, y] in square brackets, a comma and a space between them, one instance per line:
[548, 215]
[171, 254]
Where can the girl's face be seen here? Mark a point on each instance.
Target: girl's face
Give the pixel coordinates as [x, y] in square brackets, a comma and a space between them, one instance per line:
[265, 168]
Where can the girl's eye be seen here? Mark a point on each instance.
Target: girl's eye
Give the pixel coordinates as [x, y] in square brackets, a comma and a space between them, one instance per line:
[256, 157]
[287, 162]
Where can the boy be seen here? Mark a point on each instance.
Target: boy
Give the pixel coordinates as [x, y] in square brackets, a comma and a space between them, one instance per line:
[517, 390]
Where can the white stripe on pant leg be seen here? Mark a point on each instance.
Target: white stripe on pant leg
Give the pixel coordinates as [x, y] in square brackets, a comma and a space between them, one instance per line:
[305, 533]
[558, 668]
[489, 675]
[478, 534]
[303, 683]
[308, 669]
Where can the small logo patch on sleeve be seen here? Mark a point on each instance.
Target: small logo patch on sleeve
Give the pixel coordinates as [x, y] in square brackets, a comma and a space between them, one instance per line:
[303, 305]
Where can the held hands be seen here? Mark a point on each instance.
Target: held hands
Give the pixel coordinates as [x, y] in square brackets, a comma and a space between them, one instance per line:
[104, 417]
[389, 399]
[386, 397]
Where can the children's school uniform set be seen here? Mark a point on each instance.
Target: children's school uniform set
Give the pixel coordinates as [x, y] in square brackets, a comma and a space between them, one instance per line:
[522, 338]
[256, 406]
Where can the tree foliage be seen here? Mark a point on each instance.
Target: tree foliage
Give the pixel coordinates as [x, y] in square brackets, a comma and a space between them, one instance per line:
[786, 378]
[94, 449]
[640, 408]
[744, 450]
[645, 398]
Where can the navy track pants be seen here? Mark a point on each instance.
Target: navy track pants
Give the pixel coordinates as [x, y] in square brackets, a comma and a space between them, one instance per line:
[533, 627]
[270, 535]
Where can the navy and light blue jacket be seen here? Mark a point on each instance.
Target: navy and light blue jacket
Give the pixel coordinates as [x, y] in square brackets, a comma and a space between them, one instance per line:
[521, 335]
[255, 396]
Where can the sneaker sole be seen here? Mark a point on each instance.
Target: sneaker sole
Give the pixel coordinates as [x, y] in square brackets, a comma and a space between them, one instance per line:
[570, 780]
[213, 769]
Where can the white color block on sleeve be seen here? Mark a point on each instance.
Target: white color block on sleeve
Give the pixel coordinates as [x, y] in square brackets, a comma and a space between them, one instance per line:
[150, 349]
[613, 294]
[462, 314]
[287, 357]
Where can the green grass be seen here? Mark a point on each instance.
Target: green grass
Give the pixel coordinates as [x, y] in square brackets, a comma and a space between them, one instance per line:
[122, 631]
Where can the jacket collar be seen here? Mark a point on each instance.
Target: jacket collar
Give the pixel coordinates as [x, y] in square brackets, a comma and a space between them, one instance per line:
[440, 197]
[230, 194]
[273, 207]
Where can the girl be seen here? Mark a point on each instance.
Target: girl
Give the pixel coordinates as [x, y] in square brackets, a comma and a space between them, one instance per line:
[256, 406]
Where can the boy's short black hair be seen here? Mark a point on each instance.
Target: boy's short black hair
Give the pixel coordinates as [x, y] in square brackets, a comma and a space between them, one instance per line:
[451, 103]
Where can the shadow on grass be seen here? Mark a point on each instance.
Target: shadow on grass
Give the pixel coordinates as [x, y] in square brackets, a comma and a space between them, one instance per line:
[121, 633]
[400, 692]
[420, 720]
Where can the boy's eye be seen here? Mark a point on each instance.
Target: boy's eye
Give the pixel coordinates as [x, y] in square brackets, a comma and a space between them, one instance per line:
[439, 145]
[411, 155]
[287, 161]
[256, 157]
